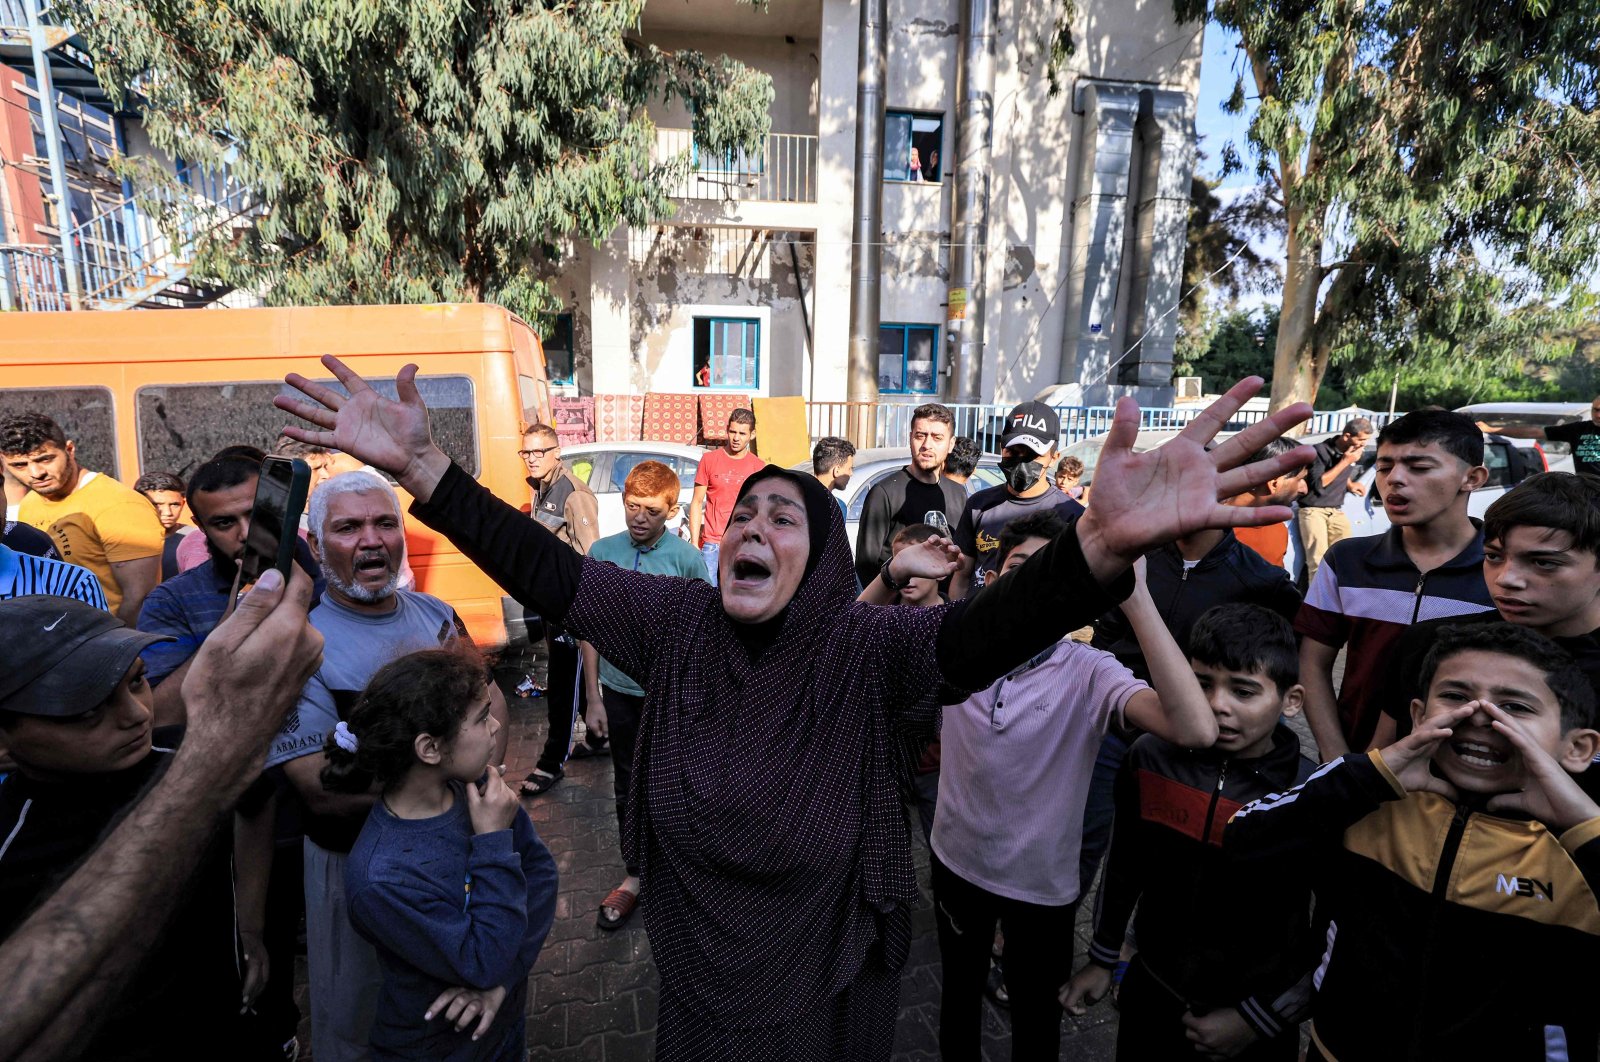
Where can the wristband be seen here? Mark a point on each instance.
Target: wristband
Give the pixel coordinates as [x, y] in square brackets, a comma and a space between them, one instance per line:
[888, 579]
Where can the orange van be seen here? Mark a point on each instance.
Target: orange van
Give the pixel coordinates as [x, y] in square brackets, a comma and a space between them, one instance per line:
[161, 391]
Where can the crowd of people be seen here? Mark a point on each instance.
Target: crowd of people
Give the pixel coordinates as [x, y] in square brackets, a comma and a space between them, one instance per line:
[1044, 676]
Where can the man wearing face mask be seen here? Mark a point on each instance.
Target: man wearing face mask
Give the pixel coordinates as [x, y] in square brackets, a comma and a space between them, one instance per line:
[1029, 449]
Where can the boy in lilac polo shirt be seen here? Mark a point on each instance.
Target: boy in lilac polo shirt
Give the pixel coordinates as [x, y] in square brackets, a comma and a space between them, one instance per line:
[1014, 776]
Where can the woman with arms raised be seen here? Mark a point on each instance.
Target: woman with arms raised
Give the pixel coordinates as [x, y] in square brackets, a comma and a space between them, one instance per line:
[764, 814]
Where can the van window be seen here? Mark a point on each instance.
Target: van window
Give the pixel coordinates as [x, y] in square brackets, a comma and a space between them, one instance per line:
[182, 425]
[84, 413]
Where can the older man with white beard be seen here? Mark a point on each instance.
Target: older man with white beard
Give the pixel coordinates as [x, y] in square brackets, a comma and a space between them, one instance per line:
[357, 535]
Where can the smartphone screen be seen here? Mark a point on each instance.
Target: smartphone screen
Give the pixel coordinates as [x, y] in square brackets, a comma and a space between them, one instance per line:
[275, 517]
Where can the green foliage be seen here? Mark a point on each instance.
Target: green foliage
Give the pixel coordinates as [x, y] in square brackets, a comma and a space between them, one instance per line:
[1220, 263]
[1239, 344]
[1440, 161]
[417, 150]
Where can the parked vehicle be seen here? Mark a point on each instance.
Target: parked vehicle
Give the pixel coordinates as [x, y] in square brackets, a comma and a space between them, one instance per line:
[605, 467]
[1557, 455]
[162, 392]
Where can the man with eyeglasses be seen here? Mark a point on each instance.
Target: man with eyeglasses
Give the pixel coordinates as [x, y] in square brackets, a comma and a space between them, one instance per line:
[564, 504]
[1582, 435]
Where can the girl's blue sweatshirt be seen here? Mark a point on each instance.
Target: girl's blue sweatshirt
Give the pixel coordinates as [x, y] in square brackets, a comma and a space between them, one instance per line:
[446, 907]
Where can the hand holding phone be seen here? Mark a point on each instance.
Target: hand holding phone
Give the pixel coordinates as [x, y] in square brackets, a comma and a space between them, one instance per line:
[275, 518]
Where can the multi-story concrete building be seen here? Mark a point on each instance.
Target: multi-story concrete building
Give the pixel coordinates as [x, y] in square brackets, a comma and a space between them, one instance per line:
[747, 287]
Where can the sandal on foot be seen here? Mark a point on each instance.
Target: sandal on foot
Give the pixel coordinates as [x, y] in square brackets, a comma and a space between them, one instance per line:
[621, 901]
[537, 783]
[585, 751]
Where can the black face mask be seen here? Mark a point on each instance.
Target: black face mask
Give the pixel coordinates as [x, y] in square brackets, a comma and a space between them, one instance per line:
[1021, 473]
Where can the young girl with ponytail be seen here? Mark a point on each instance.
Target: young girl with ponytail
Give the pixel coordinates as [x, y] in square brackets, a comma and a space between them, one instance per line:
[448, 879]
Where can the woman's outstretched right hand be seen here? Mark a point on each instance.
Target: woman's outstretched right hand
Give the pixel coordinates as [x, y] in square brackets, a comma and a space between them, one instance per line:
[390, 434]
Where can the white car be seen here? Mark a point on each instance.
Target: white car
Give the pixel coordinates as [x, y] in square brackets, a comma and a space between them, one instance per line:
[604, 466]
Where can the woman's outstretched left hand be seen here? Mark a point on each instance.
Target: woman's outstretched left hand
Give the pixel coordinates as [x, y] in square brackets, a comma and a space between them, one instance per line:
[1144, 500]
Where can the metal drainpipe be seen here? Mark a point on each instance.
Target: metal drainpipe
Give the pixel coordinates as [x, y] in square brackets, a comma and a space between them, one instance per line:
[866, 232]
[52, 141]
[969, 221]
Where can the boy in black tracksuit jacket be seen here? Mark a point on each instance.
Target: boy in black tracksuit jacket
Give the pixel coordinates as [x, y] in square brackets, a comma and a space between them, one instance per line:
[1455, 870]
[1225, 952]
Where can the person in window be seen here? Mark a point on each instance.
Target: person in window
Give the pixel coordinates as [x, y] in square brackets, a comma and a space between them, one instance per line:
[914, 171]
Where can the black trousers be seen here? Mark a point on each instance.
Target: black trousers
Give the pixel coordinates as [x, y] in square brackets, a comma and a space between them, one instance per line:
[1150, 1028]
[564, 701]
[622, 727]
[1038, 962]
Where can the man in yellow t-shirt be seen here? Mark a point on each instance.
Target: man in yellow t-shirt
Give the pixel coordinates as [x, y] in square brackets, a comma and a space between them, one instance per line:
[95, 521]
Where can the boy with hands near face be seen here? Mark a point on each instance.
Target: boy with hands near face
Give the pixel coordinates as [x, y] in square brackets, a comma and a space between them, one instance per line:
[1232, 982]
[1456, 869]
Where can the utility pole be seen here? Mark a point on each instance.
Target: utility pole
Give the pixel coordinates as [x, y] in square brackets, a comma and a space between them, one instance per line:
[52, 141]
[970, 218]
[866, 232]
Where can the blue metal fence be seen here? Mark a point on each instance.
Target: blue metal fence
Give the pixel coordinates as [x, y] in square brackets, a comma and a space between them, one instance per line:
[889, 423]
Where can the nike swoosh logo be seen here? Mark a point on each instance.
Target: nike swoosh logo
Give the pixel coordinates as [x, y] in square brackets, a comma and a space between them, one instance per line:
[57, 623]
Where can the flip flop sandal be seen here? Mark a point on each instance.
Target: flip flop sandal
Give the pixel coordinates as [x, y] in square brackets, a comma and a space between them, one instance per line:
[585, 751]
[620, 900]
[537, 784]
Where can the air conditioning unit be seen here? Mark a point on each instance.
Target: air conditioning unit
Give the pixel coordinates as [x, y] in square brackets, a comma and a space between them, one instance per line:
[1188, 387]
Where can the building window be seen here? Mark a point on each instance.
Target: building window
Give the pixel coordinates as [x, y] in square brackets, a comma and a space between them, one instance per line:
[558, 361]
[908, 359]
[727, 352]
[913, 146]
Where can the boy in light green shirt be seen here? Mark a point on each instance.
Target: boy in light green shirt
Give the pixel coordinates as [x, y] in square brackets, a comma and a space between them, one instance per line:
[650, 499]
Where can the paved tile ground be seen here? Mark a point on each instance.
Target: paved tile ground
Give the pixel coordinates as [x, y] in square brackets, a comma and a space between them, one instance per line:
[593, 992]
[593, 996]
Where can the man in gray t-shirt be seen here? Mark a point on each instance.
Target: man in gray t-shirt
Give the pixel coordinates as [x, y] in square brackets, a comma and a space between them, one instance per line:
[358, 537]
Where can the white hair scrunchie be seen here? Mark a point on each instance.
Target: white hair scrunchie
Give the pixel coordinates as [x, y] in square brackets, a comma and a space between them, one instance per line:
[344, 737]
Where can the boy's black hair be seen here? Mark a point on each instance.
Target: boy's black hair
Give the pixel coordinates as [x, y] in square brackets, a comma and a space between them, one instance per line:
[1455, 433]
[1276, 448]
[26, 432]
[911, 534]
[743, 416]
[1046, 524]
[934, 411]
[1559, 500]
[244, 450]
[831, 452]
[220, 473]
[1247, 638]
[158, 481]
[1570, 685]
[963, 459]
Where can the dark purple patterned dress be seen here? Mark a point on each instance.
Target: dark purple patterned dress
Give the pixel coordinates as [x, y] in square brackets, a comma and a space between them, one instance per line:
[765, 814]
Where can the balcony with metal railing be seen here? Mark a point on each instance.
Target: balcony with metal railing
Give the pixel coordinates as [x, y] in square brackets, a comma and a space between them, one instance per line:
[139, 251]
[784, 170]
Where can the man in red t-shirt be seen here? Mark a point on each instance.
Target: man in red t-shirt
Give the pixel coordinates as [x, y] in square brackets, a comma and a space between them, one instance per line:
[716, 486]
